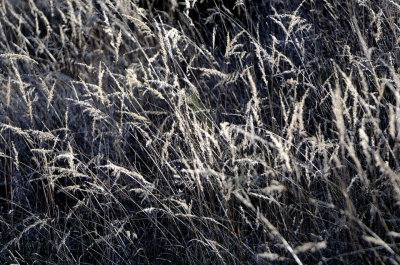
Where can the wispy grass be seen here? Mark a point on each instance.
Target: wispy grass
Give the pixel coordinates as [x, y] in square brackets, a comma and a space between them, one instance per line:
[200, 132]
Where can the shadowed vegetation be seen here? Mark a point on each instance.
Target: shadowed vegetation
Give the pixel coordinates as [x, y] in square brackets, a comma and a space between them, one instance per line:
[199, 132]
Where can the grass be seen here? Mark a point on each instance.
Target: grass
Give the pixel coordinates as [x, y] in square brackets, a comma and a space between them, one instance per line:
[199, 132]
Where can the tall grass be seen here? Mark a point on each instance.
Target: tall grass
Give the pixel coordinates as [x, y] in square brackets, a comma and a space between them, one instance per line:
[199, 132]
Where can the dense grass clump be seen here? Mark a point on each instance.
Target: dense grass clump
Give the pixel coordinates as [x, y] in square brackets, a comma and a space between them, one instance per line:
[199, 132]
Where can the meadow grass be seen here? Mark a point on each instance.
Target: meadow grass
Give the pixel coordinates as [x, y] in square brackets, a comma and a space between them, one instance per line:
[199, 132]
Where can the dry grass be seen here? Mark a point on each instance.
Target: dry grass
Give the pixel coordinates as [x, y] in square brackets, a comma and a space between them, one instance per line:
[260, 132]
